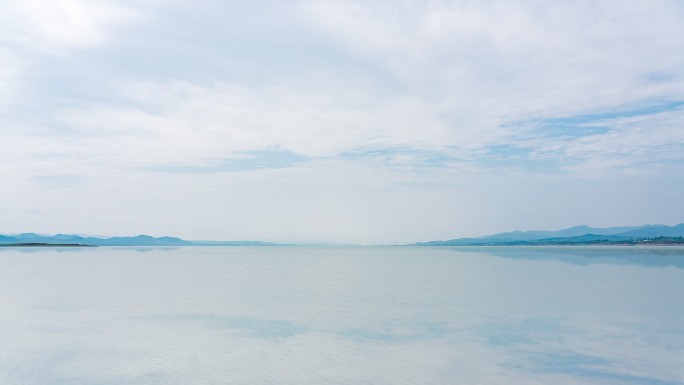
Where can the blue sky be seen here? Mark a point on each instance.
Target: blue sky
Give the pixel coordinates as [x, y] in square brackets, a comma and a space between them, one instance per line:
[342, 121]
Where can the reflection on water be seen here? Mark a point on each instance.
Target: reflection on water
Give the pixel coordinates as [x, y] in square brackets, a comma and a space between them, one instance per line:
[659, 256]
[379, 315]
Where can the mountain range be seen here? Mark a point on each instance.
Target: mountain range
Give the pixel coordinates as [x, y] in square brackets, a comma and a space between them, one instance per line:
[32, 239]
[577, 235]
[572, 235]
[68, 239]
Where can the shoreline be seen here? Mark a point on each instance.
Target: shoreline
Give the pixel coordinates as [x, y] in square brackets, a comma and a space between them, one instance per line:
[36, 244]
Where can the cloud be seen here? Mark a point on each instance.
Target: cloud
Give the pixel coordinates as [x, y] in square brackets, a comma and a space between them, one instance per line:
[185, 124]
[53, 27]
[9, 65]
[489, 65]
[638, 144]
[456, 75]
[423, 97]
[38, 36]
[459, 78]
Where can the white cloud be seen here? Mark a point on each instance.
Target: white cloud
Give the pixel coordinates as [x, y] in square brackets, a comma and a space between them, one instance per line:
[466, 75]
[640, 145]
[9, 64]
[421, 97]
[181, 123]
[53, 27]
[514, 61]
[33, 31]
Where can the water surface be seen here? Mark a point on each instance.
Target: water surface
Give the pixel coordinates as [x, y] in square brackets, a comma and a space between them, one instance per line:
[366, 315]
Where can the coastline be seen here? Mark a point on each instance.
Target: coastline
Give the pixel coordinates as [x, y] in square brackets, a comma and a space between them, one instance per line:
[36, 244]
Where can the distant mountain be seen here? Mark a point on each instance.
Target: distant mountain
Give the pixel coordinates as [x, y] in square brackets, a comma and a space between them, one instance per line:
[572, 235]
[140, 240]
[4, 239]
[656, 231]
[569, 232]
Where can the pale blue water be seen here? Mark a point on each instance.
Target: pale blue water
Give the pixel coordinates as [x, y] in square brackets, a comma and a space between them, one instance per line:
[375, 315]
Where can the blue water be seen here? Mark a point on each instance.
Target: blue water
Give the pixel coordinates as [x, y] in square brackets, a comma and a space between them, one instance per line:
[365, 315]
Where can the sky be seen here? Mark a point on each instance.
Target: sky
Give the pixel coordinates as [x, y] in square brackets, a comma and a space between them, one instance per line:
[341, 121]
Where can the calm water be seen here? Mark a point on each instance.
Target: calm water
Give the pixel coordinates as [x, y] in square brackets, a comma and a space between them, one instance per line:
[303, 315]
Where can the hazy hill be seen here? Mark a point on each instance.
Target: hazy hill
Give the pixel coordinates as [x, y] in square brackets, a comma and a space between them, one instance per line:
[569, 232]
[572, 235]
[140, 240]
[656, 231]
[4, 239]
